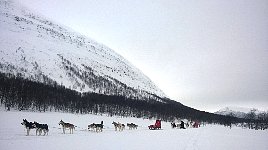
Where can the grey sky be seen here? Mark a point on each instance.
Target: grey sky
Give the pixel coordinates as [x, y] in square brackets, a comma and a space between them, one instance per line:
[207, 54]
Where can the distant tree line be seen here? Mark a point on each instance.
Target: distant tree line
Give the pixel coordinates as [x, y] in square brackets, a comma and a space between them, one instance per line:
[23, 94]
[257, 121]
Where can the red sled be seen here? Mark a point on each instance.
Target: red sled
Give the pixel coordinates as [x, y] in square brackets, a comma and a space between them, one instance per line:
[157, 125]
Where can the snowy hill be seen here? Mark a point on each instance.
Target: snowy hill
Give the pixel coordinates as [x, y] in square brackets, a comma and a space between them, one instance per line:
[35, 48]
[239, 112]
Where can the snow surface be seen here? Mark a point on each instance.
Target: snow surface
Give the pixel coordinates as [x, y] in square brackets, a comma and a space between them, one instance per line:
[13, 134]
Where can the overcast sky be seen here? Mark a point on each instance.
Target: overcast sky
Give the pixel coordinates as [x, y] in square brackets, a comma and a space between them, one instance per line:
[207, 54]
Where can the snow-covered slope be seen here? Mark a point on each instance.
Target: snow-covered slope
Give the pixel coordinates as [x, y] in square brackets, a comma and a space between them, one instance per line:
[36, 48]
[240, 112]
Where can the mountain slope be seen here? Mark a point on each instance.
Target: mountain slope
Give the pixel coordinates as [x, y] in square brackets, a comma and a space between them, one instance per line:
[35, 48]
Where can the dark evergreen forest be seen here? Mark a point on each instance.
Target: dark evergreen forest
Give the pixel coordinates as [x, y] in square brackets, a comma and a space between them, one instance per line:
[23, 94]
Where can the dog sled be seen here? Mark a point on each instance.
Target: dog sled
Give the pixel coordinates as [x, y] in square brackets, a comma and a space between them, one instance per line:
[157, 125]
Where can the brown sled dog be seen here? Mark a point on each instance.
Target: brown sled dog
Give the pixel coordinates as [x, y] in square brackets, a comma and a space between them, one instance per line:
[67, 126]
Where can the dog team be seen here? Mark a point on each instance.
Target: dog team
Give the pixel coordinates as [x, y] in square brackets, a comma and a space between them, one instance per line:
[93, 127]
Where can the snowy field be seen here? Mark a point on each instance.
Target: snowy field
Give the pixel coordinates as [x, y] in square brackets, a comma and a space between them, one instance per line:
[13, 135]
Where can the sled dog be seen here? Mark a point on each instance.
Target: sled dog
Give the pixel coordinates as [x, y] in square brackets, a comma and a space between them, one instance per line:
[118, 126]
[96, 127]
[132, 126]
[99, 127]
[91, 127]
[40, 128]
[28, 125]
[67, 126]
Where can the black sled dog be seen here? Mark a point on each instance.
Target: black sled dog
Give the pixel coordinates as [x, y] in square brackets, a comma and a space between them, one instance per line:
[40, 128]
[28, 125]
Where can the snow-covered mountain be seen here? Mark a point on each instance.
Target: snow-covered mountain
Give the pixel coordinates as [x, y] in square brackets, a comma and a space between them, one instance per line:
[38, 49]
[240, 112]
